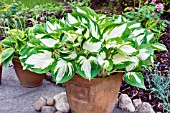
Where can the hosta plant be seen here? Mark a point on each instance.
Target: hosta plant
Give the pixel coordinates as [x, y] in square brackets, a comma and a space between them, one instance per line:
[90, 45]
[12, 45]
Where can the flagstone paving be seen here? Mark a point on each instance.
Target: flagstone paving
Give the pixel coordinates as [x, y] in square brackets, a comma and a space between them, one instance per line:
[17, 99]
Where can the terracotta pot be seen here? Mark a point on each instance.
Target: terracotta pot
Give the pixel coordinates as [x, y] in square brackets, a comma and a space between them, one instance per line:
[27, 78]
[96, 96]
[0, 73]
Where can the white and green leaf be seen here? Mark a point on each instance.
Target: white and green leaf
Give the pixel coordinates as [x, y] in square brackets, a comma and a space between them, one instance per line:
[92, 46]
[88, 67]
[145, 52]
[114, 32]
[134, 65]
[49, 42]
[159, 47]
[128, 49]
[39, 61]
[134, 79]
[63, 71]
[120, 58]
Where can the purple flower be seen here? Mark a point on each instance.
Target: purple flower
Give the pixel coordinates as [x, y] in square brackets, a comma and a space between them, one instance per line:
[159, 7]
[153, 0]
[147, 1]
[153, 13]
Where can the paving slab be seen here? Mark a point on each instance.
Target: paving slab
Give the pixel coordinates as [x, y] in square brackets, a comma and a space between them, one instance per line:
[17, 99]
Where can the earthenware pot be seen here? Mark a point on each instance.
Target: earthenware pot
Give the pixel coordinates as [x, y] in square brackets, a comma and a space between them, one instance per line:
[27, 78]
[98, 95]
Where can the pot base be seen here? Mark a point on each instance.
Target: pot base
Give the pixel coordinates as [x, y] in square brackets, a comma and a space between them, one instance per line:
[96, 96]
[27, 78]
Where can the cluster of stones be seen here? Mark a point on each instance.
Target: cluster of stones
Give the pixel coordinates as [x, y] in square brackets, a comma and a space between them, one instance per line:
[136, 106]
[57, 104]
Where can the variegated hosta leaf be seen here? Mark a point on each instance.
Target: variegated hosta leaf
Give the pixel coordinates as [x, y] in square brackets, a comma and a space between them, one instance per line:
[114, 32]
[104, 61]
[94, 29]
[159, 46]
[70, 36]
[87, 68]
[112, 44]
[137, 32]
[121, 61]
[71, 56]
[39, 62]
[50, 28]
[38, 36]
[92, 46]
[150, 37]
[71, 19]
[118, 19]
[63, 71]
[145, 52]
[49, 42]
[120, 58]
[128, 49]
[140, 39]
[87, 11]
[134, 65]
[134, 79]
[136, 25]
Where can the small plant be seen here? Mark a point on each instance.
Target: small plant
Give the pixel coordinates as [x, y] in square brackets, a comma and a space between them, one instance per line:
[149, 15]
[12, 45]
[159, 87]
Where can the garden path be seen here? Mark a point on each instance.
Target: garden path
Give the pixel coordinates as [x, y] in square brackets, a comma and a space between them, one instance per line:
[16, 99]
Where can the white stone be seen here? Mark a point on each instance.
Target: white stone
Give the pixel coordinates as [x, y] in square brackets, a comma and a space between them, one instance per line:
[40, 103]
[61, 102]
[137, 103]
[145, 108]
[58, 112]
[125, 103]
[50, 101]
[48, 109]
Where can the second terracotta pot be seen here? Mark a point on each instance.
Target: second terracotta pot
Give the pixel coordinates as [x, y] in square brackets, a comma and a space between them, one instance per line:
[96, 96]
[27, 78]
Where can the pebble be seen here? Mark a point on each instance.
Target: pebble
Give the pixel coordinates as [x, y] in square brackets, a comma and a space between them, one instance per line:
[48, 109]
[61, 103]
[125, 103]
[50, 101]
[40, 103]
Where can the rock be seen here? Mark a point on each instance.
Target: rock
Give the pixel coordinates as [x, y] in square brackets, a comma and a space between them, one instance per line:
[137, 103]
[116, 102]
[145, 108]
[40, 103]
[48, 109]
[50, 101]
[58, 112]
[125, 103]
[61, 103]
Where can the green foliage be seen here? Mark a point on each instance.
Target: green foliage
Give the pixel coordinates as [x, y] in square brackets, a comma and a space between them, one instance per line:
[90, 45]
[78, 3]
[158, 85]
[12, 45]
[31, 4]
[150, 17]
